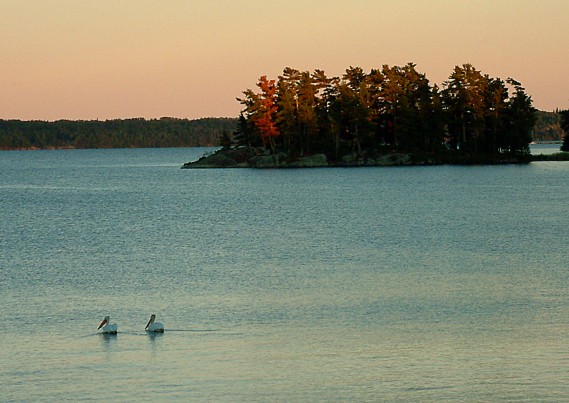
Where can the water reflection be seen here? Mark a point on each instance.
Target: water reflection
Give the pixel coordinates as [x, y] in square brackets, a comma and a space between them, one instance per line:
[108, 339]
[153, 335]
[155, 347]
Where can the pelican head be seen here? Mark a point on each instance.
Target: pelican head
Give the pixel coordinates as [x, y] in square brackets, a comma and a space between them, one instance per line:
[105, 321]
[152, 319]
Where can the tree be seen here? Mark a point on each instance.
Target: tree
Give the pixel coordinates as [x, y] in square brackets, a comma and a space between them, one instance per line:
[521, 118]
[434, 125]
[266, 118]
[287, 112]
[496, 104]
[353, 112]
[463, 99]
[482, 115]
[307, 119]
[244, 134]
[565, 127]
[260, 109]
[225, 141]
[405, 107]
[326, 91]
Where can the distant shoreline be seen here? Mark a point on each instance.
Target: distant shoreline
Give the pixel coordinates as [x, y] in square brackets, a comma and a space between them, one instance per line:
[119, 133]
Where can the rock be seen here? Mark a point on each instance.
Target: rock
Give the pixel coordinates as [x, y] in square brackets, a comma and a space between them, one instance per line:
[393, 159]
[229, 158]
[312, 161]
[252, 158]
[264, 161]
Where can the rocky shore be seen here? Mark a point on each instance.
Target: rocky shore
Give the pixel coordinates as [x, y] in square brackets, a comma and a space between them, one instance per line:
[249, 157]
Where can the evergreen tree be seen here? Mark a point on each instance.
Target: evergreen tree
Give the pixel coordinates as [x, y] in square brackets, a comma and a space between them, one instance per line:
[306, 111]
[565, 127]
[463, 97]
[521, 118]
[354, 106]
[326, 139]
[287, 112]
[406, 101]
[225, 141]
[496, 104]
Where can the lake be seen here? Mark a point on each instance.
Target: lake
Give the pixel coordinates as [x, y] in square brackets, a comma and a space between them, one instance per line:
[338, 284]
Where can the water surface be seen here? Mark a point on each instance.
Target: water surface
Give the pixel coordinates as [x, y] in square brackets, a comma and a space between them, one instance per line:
[409, 283]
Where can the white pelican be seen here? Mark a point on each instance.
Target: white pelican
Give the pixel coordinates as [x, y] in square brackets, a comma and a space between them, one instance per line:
[108, 328]
[155, 327]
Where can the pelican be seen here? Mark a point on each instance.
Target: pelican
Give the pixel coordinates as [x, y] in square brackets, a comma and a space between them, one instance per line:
[155, 327]
[108, 328]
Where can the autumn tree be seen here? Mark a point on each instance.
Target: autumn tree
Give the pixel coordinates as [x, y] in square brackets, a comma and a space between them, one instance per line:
[266, 118]
[260, 109]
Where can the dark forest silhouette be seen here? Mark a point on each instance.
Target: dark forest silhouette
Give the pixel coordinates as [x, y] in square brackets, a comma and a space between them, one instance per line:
[119, 133]
[392, 109]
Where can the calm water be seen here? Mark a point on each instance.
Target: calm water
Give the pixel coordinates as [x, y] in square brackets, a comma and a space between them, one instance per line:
[412, 283]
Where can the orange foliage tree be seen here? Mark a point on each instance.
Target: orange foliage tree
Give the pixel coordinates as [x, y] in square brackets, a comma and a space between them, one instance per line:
[261, 110]
[266, 120]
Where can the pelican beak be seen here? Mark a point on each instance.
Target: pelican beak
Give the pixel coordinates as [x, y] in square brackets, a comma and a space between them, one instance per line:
[148, 324]
[102, 324]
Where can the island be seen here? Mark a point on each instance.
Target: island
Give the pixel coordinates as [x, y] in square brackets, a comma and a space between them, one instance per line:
[250, 157]
[390, 116]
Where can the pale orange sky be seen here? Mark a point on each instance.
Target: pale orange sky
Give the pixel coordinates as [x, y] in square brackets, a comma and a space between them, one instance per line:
[105, 59]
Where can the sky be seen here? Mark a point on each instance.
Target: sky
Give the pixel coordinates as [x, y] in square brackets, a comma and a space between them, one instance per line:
[117, 59]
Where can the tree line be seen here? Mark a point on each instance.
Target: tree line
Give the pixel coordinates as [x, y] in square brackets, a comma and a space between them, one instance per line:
[392, 109]
[548, 126]
[118, 133]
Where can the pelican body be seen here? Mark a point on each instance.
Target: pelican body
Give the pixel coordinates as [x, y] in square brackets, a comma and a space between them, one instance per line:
[106, 327]
[153, 326]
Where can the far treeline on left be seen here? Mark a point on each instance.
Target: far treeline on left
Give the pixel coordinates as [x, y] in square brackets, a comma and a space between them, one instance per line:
[118, 133]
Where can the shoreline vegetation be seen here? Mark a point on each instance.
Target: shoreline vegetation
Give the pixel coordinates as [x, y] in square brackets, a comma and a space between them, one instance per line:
[390, 116]
[117, 133]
